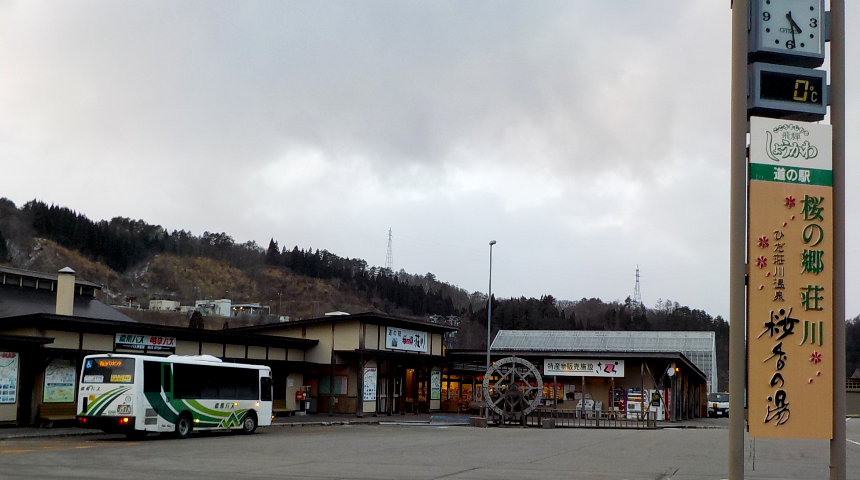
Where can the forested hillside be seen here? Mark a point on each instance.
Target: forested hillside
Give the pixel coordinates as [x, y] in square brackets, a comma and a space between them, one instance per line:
[137, 261]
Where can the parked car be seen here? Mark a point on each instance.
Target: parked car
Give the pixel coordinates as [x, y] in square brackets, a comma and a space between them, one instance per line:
[718, 404]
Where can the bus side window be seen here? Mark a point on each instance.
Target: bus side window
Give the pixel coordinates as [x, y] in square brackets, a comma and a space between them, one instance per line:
[152, 377]
[266, 389]
[168, 383]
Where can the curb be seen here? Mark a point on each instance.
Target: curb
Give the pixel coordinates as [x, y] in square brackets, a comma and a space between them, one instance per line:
[23, 436]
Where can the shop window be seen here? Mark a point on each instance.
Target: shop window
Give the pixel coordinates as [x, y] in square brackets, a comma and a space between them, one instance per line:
[466, 392]
[453, 390]
[340, 384]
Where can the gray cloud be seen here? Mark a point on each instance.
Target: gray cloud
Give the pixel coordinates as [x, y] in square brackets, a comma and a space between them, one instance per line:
[585, 137]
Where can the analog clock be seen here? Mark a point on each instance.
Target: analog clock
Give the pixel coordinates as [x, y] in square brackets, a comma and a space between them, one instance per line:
[788, 32]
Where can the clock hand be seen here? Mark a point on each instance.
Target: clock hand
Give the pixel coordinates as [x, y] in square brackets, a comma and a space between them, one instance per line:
[793, 24]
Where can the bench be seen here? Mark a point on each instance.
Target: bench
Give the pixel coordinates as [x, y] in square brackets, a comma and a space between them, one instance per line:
[476, 406]
[53, 412]
[279, 408]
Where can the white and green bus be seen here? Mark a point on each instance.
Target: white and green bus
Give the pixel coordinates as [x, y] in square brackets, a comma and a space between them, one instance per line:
[139, 394]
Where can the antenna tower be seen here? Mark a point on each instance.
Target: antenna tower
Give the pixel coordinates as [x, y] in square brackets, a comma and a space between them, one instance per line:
[637, 294]
[389, 259]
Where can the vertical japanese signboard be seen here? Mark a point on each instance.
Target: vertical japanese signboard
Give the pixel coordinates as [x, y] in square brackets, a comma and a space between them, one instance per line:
[369, 394]
[790, 248]
[435, 384]
[8, 377]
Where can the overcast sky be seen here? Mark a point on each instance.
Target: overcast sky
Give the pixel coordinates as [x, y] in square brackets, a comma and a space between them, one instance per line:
[586, 138]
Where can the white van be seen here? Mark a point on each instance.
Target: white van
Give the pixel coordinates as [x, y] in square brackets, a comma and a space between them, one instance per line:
[718, 404]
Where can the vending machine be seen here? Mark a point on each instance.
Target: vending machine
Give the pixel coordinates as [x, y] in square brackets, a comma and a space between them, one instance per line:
[657, 402]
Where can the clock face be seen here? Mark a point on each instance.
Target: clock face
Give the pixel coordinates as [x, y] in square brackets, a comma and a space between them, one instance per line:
[795, 27]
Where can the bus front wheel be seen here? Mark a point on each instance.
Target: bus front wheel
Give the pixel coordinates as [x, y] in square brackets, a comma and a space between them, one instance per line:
[249, 425]
[183, 425]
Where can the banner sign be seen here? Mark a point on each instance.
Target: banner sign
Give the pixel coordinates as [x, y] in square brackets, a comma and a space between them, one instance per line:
[583, 368]
[790, 293]
[59, 382]
[403, 339]
[9, 362]
[369, 385]
[148, 343]
[435, 385]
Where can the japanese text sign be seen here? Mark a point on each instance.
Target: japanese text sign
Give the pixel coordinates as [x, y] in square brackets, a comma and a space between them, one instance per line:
[145, 342]
[403, 339]
[790, 264]
[592, 367]
[369, 394]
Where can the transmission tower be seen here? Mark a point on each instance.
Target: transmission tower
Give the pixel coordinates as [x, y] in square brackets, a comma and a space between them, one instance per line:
[637, 294]
[389, 259]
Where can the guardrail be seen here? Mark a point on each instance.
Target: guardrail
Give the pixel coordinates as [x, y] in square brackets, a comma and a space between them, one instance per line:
[593, 418]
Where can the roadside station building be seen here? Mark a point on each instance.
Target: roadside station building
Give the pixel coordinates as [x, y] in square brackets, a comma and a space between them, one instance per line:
[664, 372]
[366, 363]
[48, 323]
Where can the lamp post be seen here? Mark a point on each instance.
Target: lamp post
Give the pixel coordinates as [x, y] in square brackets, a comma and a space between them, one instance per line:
[489, 321]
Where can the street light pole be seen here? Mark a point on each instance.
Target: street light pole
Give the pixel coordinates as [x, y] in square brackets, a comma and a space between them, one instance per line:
[490, 303]
[489, 320]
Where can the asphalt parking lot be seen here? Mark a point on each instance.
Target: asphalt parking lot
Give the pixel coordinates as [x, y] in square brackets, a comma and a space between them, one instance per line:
[392, 451]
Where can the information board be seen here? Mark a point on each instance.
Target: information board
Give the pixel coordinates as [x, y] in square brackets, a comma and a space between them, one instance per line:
[9, 362]
[369, 384]
[59, 384]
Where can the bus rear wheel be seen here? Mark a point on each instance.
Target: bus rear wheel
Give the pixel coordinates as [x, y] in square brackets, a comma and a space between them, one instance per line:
[249, 425]
[183, 426]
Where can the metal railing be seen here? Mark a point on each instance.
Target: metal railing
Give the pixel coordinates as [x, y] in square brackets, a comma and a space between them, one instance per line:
[593, 418]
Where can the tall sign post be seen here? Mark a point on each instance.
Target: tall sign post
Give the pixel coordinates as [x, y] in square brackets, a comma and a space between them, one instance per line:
[837, 121]
[737, 240]
[787, 345]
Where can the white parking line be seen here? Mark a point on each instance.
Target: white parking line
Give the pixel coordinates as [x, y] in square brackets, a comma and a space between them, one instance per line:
[852, 441]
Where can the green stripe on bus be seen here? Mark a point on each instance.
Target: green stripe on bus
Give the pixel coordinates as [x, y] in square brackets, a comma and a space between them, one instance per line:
[102, 400]
[110, 399]
[208, 411]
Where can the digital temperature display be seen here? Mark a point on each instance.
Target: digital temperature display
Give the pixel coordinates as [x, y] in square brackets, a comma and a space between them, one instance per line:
[780, 91]
[792, 88]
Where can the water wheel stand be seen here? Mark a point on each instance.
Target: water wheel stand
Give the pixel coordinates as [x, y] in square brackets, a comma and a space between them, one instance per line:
[513, 388]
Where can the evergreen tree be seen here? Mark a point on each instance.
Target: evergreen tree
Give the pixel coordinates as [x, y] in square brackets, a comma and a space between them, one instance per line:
[196, 321]
[273, 255]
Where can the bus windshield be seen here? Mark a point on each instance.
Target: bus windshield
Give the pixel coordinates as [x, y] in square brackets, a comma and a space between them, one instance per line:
[109, 370]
